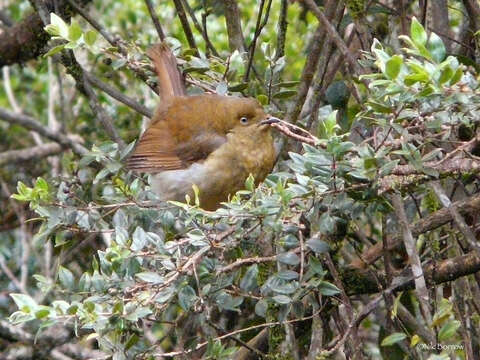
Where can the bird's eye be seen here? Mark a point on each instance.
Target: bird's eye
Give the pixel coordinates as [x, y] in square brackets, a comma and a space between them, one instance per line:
[244, 120]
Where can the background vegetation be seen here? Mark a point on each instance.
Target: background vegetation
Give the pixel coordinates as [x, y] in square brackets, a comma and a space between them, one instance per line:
[363, 243]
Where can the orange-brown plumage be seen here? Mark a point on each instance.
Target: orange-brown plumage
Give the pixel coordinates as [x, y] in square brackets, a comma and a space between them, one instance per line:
[212, 141]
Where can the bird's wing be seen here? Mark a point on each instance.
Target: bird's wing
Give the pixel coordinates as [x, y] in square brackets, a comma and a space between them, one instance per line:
[157, 150]
[170, 80]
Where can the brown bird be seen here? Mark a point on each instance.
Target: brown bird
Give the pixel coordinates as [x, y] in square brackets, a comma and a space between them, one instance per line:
[211, 141]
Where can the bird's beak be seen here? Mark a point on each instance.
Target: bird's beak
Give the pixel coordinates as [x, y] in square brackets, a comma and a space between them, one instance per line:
[270, 120]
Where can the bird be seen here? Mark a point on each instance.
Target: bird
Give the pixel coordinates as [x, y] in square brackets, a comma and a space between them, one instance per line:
[211, 141]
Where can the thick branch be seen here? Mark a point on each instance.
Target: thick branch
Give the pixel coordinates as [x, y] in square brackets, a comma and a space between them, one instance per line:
[234, 27]
[26, 40]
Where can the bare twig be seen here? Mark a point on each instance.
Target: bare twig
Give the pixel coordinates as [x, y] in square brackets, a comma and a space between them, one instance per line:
[32, 124]
[457, 218]
[186, 26]
[101, 114]
[332, 32]
[13, 101]
[282, 29]
[117, 95]
[154, 17]
[202, 30]
[292, 131]
[414, 259]
[249, 261]
[33, 153]
[258, 30]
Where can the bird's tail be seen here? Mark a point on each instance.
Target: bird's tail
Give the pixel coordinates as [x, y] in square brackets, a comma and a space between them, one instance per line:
[170, 80]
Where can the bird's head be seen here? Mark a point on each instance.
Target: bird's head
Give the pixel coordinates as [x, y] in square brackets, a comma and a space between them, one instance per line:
[236, 113]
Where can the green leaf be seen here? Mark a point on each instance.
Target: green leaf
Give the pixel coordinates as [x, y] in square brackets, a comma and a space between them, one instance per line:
[445, 75]
[282, 299]
[436, 48]
[448, 330]
[237, 87]
[261, 308]
[186, 297]
[414, 78]
[284, 94]
[132, 341]
[66, 278]
[249, 280]
[262, 99]
[288, 84]
[221, 88]
[381, 108]
[418, 33]
[60, 24]
[287, 275]
[289, 258]
[328, 289]
[150, 277]
[74, 31]
[445, 309]
[139, 239]
[90, 37]
[53, 30]
[42, 313]
[456, 77]
[318, 246]
[250, 183]
[24, 302]
[393, 66]
[54, 50]
[393, 339]
[326, 223]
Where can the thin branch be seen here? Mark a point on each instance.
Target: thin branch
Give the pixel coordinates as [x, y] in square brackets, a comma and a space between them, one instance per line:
[154, 17]
[282, 29]
[457, 218]
[307, 75]
[258, 30]
[249, 261]
[186, 26]
[414, 259]
[117, 95]
[32, 124]
[4, 267]
[332, 32]
[13, 101]
[96, 25]
[237, 340]
[201, 30]
[101, 114]
[32, 153]
[294, 131]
